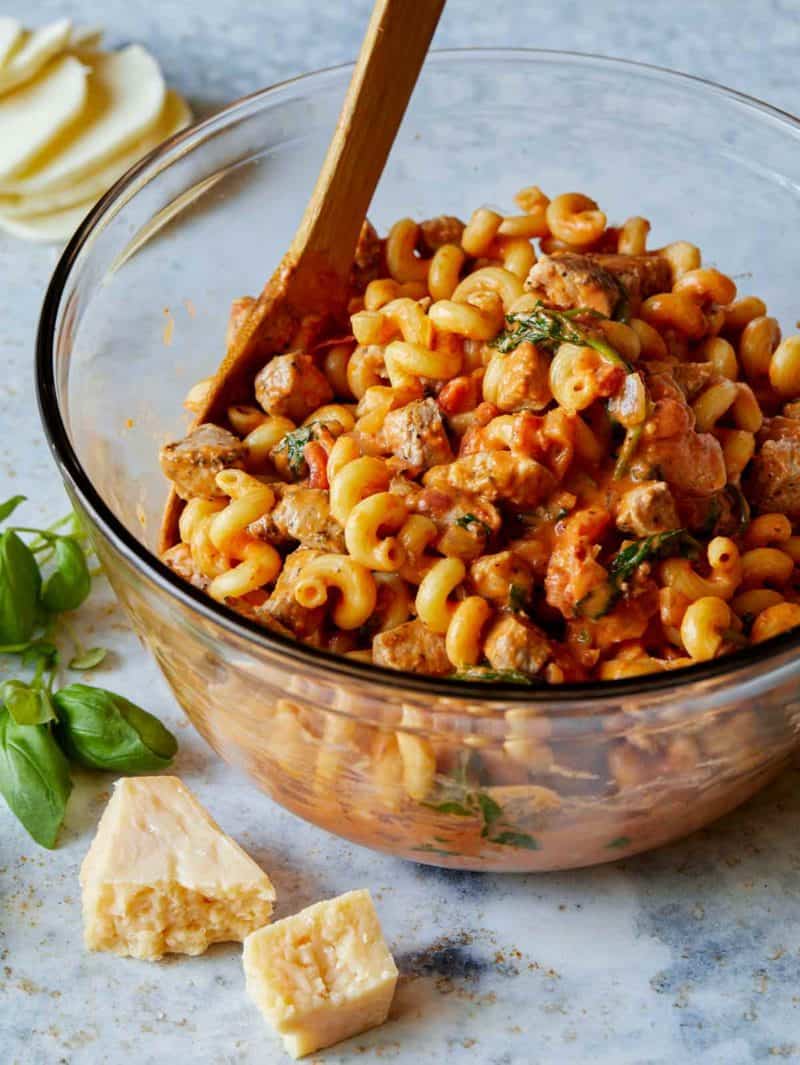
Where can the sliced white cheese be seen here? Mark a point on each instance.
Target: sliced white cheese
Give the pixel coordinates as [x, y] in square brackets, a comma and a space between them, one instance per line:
[174, 117]
[126, 97]
[47, 228]
[33, 116]
[36, 49]
[10, 37]
[161, 876]
[87, 38]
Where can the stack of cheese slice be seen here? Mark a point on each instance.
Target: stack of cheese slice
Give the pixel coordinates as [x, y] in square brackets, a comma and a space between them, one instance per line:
[73, 119]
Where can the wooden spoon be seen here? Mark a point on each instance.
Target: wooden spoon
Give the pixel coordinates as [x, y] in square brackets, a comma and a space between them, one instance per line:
[313, 274]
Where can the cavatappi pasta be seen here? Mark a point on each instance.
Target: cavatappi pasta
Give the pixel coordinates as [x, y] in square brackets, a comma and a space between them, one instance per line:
[572, 462]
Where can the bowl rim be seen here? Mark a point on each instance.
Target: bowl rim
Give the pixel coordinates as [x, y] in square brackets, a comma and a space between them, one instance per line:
[150, 566]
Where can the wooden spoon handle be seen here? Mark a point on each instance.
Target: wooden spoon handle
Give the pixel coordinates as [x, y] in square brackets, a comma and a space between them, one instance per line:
[393, 51]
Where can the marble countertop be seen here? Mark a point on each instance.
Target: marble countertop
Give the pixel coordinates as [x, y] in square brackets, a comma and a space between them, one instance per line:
[690, 954]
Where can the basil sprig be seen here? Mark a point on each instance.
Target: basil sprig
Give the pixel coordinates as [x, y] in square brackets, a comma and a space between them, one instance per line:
[34, 777]
[20, 583]
[42, 730]
[101, 730]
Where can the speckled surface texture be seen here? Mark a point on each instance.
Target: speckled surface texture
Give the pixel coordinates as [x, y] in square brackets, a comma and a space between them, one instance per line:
[691, 954]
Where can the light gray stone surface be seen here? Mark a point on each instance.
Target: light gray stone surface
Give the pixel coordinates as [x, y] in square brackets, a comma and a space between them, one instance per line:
[691, 954]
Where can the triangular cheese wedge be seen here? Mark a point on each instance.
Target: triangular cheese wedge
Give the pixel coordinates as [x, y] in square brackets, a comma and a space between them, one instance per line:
[34, 115]
[162, 877]
[174, 117]
[126, 98]
[30, 55]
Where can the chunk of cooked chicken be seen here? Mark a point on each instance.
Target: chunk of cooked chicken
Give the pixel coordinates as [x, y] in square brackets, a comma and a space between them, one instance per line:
[303, 515]
[282, 606]
[192, 464]
[573, 571]
[571, 280]
[671, 449]
[519, 380]
[493, 575]
[640, 275]
[464, 523]
[412, 647]
[513, 642]
[180, 561]
[368, 262]
[495, 475]
[646, 509]
[292, 386]
[416, 434]
[597, 280]
[773, 481]
[434, 232]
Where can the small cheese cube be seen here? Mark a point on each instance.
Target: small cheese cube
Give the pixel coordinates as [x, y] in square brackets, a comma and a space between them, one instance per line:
[161, 876]
[322, 975]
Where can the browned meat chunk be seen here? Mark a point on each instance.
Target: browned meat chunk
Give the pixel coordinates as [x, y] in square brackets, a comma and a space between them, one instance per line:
[180, 561]
[493, 575]
[412, 647]
[640, 275]
[692, 378]
[568, 279]
[773, 483]
[465, 523]
[515, 643]
[193, 463]
[671, 450]
[495, 475]
[571, 280]
[282, 606]
[646, 509]
[368, 262]
[693, 464]
[573, 571]
[434, 232]
[292, 386]
[416, 434]
[712, 515]
[301, 514]
[519, 380]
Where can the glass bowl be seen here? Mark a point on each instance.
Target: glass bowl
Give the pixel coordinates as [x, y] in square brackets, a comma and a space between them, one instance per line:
[467, 775]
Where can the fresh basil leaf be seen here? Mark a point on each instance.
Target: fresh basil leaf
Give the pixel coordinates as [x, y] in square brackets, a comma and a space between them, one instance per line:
[37, 650]
[488, 676]
[550, 328]
[88, 659]
[619, 842]
[490, 810]
[456, 808]
[103, 730]
[27, 705]
[9, 506]
[34, 777]
[20, 582]
[70, 583]
[517, 598]
[516, 839]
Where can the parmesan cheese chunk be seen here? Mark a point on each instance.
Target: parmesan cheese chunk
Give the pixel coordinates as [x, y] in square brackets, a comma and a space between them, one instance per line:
[324, 974]
[162, 877]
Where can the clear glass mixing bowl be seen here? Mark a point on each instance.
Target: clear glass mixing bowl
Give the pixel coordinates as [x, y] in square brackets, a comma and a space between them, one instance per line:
[464, 775]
